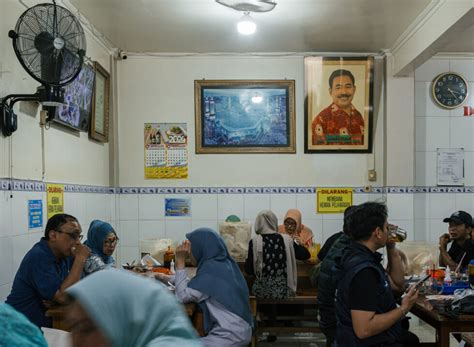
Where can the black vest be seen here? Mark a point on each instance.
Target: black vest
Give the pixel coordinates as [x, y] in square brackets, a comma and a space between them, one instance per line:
[356, 258]
[328, 283]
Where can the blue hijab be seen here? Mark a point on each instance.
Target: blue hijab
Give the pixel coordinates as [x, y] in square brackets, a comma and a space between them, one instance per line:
[131, 310]
[98, 231]
[218, 275]
[17, 331]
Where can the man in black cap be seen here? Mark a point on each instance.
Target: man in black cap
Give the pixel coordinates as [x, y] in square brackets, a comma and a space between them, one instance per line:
[462, 246]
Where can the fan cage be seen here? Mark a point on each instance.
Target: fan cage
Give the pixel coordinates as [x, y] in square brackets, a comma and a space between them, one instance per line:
[37, 26]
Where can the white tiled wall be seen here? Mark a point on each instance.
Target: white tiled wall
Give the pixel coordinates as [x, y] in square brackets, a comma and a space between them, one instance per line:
[436, 127]
[15, 237]
[439, 128]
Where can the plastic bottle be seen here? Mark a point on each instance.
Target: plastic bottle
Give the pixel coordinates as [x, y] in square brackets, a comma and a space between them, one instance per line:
[447, 276]
[172, 269]
[169, 255]
[470, 272]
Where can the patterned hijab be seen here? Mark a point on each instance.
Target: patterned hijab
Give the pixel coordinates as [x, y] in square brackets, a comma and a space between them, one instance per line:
[98, 231]
[218, 275]
[267, 223]
[131, 310]
[17, 331]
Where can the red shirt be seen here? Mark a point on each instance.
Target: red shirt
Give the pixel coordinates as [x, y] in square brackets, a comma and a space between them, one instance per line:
[333, 126]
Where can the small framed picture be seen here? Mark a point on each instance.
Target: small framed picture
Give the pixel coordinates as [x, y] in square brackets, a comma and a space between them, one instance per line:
[99, 129]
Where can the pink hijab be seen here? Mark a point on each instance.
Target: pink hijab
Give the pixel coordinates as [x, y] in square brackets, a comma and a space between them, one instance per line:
[305, 233]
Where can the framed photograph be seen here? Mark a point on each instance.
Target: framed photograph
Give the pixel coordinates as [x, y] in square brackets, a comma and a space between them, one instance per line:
[245, 116]
[99, 129]
[75, 112]
[338, 104]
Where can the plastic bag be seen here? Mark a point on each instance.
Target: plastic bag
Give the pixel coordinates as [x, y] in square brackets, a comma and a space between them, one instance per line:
[236, 236]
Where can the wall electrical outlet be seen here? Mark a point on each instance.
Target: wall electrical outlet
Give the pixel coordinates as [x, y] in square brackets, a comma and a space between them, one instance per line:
[372, 175]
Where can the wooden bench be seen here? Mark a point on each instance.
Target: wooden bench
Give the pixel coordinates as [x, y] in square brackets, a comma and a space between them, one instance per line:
[276, 324]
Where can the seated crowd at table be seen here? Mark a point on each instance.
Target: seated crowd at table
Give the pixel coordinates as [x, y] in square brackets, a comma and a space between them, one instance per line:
[360, 302]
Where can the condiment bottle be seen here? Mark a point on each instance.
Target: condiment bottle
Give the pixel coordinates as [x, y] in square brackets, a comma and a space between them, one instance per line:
[169, 255]
[172, 269]
[470, 271]
[447, 276]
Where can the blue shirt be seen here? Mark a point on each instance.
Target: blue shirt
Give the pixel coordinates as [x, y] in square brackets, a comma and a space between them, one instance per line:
[39, 277]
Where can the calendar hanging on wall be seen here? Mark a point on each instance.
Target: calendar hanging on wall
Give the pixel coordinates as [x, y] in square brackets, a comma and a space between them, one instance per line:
[166, 150]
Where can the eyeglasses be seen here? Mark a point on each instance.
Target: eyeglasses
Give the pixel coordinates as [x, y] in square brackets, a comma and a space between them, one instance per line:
[111, 242]
[73, 236]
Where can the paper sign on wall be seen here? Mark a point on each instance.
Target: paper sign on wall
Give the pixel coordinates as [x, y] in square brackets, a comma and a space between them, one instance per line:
[55, 198]
[450, 167]
[333, 200]
[177, 207]
[35, 214]
[166, 150]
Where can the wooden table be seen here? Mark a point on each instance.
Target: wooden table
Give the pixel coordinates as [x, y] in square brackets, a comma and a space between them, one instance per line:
[444, 325]
[58, 315]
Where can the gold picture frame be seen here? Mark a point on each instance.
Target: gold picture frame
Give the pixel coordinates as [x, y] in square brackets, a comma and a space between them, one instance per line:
[245, 116]
[99, 129]
[338, 104]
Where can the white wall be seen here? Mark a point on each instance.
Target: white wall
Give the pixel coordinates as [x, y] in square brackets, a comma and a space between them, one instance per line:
[439, 128]
[161, 89]
[69, 157]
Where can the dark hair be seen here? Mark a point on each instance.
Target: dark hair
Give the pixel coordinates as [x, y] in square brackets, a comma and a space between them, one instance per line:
[56, 221]
[347, 212]
[340, 72]
[365, 218]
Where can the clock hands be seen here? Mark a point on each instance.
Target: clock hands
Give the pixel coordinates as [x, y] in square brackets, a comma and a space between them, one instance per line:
[452, 92]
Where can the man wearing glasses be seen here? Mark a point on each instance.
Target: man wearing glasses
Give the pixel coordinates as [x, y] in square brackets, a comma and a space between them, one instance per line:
[52, 265]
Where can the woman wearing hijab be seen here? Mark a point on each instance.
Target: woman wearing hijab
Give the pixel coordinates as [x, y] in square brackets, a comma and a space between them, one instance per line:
[293, 226]
[218, 287]
[119, 309]
[272, 259]
[17, 331]
[101, 239]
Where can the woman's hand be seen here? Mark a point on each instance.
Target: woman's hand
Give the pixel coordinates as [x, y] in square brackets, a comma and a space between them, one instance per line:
[181, 253]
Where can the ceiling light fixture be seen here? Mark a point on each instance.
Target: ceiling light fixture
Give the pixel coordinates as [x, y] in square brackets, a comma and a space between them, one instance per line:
[246, 25]
[249, 5]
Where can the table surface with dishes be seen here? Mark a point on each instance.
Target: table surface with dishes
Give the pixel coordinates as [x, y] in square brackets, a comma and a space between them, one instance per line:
[430, 308]
[435, 302]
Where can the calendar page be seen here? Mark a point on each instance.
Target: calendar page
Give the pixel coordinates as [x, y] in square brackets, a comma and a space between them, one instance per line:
[166, 150]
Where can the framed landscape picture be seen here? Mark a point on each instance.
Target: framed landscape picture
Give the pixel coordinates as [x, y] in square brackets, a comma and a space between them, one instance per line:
[245, 116]
[99, 129]
[338, 104]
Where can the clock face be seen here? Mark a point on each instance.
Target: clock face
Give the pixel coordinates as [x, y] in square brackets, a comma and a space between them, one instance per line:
[449, 90]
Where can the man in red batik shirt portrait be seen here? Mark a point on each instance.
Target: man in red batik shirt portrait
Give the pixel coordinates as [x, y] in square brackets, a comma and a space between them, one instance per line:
[340, 123]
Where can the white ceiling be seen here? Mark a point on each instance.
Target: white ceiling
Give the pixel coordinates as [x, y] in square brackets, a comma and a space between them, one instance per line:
[293, 26]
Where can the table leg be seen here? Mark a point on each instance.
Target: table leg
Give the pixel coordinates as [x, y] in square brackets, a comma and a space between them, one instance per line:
[443, 337]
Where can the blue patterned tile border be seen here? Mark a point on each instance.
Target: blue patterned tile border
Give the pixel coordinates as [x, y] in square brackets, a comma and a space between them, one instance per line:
[38, 186]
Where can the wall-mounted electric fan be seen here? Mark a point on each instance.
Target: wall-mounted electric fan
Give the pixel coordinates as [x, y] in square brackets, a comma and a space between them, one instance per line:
[50, 44]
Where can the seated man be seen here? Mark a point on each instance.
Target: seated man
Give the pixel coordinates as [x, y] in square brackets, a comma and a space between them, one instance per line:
[48, 269]
[462, 246]
[365, 304]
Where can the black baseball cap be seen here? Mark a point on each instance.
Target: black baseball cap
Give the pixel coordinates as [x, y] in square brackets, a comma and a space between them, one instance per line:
[461, 217]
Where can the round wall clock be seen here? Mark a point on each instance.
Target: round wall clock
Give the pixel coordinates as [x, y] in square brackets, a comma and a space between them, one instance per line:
[449, 90]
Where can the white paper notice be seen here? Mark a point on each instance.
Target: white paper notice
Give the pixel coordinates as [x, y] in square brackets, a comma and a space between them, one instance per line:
[450, 166]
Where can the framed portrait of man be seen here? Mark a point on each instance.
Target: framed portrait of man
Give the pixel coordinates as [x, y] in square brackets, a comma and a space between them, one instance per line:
[338, 104]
